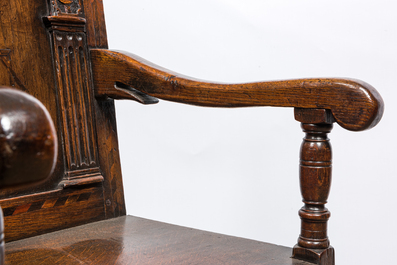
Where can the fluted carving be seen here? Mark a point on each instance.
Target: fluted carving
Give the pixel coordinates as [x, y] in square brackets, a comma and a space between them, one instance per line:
[74, 98]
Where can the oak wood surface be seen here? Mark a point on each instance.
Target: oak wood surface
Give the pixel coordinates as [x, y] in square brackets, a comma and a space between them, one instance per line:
[28, 141]
[105, 117]
[40, 213]
[354, 104]
[133, 240]
[315, 177]
[47, 48]
[28, 144]
[86, 183]
[28, 67]
[96, 27]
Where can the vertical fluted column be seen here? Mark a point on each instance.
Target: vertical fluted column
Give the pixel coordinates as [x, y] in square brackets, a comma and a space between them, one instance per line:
[66, 25]
[315, 182]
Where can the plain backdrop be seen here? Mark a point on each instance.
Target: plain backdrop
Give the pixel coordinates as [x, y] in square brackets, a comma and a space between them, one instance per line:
[235, 171]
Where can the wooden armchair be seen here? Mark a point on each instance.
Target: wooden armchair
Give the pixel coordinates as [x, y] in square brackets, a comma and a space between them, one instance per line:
[56, 50]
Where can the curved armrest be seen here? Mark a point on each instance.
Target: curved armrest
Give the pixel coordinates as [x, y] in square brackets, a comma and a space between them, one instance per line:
[354, 104]
[28, 140]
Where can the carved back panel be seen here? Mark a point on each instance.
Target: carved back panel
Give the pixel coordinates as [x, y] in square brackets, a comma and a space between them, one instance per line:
[44, 50]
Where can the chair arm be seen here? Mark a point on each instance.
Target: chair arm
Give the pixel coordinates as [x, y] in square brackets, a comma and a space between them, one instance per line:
[28, 141]
[28, 144]
[354, 104]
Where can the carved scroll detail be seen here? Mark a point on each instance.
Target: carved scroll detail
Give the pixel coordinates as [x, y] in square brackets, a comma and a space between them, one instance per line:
[66, 7]
[74, 99]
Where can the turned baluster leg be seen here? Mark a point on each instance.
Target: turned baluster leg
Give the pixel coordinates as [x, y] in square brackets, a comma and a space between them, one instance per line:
[315, 182]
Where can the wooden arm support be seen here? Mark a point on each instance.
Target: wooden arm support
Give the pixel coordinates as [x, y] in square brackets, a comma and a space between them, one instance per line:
[354, 104]
[318, 103]
[315, 177]
[28, 143]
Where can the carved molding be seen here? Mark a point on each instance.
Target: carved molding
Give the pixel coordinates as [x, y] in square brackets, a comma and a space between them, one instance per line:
[75, 96]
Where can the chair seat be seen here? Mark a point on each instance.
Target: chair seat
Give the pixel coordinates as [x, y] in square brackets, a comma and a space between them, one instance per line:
[133, 240]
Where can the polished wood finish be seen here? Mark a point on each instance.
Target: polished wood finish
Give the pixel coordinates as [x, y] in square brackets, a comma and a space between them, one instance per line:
[56, 50]
[132, 240]
[315, 182]
[354, 104]
[28, 67]
[314, 116]
[75, 97]
[95, 27]
[69, 207]
[318, 103]
[28, 144]
[44, 52]
[28, 141]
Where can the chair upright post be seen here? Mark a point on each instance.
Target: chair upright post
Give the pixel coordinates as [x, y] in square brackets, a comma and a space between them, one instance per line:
[315, 182]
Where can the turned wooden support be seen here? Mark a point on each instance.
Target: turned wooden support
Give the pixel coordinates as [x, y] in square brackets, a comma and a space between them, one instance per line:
[315, 182]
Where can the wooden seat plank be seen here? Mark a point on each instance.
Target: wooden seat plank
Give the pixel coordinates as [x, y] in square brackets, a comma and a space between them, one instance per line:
[134, 240]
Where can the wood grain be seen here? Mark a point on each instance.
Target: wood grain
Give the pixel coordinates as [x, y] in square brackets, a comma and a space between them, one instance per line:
[45, 51]
[132, 240]
[29, 67]
[28, 141]
[109, 159]
[30, 42]
[40, 213]
[355, 104]
[315, 177]
[28, 145]
[96, 27]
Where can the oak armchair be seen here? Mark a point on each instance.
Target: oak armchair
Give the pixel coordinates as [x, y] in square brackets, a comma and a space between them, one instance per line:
[57, 51]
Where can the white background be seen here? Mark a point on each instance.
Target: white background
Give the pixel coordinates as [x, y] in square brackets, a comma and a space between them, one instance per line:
[235, 171]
